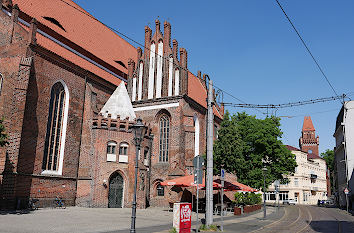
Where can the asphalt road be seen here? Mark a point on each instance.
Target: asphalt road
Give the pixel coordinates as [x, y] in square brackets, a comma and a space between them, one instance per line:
[301, 219]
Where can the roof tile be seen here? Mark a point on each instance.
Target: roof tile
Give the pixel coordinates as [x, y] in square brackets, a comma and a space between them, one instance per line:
[307, 125]
[82, 29]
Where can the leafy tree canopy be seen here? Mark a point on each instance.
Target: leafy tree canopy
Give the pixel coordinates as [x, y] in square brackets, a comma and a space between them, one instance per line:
[246, 144]
[3, 135]
[328, 156]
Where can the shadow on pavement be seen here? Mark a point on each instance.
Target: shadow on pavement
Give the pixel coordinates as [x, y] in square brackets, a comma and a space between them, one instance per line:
[15, 212]
[330, 226]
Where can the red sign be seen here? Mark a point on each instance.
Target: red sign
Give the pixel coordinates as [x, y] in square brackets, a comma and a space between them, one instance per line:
[182, 217]
[185, 218]
[346, 191]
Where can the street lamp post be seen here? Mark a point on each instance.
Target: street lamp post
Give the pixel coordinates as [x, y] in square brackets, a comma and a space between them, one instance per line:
[264, 170]
[139, 131]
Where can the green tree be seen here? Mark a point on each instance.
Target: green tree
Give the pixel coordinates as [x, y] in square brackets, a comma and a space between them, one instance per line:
[328, 156]
[245, 144]
[3, 135]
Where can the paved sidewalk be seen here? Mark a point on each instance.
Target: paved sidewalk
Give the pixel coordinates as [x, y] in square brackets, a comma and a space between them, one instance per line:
[244, 223]
[87, 220]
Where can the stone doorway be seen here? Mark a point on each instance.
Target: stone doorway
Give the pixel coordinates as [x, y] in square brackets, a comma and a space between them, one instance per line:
[115, 195]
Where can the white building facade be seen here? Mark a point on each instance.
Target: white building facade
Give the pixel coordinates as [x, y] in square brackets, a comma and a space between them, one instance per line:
[307, 185]
[344, 152]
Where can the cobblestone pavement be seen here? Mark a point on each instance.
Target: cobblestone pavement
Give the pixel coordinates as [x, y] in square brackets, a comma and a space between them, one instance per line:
[301, 219]
[76, 219]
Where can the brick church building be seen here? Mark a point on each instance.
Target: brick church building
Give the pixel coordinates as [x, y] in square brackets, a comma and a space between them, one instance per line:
[70, 90]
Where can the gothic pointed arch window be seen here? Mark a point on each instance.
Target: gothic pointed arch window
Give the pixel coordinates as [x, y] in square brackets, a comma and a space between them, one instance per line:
[164, 128]
[56, 129]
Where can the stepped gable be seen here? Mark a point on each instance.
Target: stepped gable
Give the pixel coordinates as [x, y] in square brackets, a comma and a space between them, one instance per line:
[119, 104]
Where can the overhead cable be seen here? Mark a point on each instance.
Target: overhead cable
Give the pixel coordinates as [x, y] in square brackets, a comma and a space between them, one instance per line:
[287, 105]
[308, 49]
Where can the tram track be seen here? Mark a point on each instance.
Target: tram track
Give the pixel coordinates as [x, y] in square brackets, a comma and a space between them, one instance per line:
[297, 217]
[310, 219]
[308, 222]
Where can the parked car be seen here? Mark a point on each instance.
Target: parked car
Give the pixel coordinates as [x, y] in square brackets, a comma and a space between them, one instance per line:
[325, 202]
[321, 202]
[289, 202]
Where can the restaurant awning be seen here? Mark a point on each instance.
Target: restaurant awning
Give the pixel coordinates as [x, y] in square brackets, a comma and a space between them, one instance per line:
[186, 181]
[235, 186]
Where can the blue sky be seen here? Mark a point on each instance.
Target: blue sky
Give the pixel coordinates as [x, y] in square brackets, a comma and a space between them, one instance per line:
[250, 50]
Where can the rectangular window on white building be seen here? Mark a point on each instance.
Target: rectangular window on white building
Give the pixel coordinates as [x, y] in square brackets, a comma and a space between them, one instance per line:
[270, 196]
[283, 196]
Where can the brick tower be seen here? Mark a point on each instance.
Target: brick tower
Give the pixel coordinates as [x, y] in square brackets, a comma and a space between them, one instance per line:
[308, 141]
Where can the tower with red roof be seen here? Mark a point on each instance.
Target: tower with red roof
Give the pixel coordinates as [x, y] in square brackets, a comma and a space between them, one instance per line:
[308, 141]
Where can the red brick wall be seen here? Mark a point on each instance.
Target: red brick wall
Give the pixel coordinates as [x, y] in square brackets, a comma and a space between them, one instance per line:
[181, 147]
[94, 193]
[24, 102]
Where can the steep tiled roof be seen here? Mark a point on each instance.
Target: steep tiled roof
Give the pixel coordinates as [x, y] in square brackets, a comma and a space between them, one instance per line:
[309, 155]
[198, 93]
[313, 156]
[77, 60]
[291, 148]
[83, 31]
[307, 125]
[77, 28]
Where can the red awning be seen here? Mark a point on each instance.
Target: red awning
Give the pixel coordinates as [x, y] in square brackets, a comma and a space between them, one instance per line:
[236, 186]
[186, 181]
[244, 187]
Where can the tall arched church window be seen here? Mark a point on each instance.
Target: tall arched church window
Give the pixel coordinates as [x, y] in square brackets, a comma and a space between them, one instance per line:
[1, 81]
[164, 126]
[56, 129]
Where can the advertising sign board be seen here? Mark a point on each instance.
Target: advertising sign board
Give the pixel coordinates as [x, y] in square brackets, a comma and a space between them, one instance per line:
[182, 217]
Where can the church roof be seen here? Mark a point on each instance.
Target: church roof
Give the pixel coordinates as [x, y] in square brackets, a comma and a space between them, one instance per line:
[119, 104]
[307, 125]
[73, 26]
[199, 93]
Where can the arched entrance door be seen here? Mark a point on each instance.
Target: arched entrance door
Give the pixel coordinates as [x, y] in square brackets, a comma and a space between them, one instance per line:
[115, 195]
